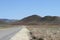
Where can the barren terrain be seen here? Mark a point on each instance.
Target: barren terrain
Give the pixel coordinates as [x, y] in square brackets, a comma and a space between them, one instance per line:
[45, 32]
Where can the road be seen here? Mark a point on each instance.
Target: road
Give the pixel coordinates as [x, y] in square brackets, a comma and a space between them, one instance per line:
[6, 34]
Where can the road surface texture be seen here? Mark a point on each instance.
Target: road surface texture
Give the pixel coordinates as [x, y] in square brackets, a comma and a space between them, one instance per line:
[13, 33]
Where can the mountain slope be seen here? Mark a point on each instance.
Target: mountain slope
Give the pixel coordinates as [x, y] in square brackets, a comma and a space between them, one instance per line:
[29, 20]
[37, 20]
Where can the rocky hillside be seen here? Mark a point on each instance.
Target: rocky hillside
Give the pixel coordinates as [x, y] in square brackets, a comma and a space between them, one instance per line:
[37, 20]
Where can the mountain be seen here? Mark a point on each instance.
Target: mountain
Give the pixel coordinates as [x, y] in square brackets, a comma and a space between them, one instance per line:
[37, 20]
[6, 21]
[33, 20]
[29, 20]
[51, 20]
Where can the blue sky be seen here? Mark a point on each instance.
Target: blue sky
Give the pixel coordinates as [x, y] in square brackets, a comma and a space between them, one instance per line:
[18, 9]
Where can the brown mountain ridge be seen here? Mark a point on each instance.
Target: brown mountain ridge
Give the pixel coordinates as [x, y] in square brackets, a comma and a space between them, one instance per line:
[37, 20]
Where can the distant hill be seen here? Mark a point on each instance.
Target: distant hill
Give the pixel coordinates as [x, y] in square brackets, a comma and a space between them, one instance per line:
[37, 20]
[6, 21]
[33, 20]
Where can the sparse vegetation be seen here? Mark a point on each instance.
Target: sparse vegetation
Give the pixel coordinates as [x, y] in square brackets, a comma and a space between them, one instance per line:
[45, 33]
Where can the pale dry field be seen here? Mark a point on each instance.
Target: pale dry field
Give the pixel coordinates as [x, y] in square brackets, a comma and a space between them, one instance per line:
[46, 32]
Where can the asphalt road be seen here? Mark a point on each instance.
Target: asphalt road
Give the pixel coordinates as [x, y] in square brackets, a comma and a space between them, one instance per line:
[6, 34]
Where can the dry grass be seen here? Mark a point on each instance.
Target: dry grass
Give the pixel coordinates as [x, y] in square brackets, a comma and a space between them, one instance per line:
[47, 32]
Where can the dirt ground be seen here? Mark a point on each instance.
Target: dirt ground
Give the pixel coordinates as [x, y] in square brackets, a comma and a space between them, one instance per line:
[45, 32]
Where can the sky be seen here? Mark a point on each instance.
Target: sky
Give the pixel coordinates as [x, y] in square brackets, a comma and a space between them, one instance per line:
[18, 9]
